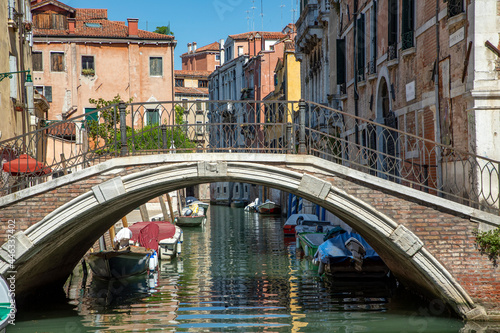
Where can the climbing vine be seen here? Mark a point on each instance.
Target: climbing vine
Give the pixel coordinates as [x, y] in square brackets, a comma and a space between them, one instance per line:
[488, 243]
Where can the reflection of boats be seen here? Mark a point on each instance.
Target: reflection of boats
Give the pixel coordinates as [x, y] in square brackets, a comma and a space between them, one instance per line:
[348, 255]
[162, 236]
[311, 234]
[269, 208]
[191, 216]
[132, 260]
[238, 203]
[291, 222]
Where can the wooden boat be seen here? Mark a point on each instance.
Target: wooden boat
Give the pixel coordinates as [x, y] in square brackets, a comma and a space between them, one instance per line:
[191, 216]
[348, 255]
[291, 222]
[238, 203]
[201, 204]
[162, 236]
[269, 208]
[117, 264]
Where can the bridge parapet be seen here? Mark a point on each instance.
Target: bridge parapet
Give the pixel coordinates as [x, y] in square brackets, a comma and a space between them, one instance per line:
[271, 127]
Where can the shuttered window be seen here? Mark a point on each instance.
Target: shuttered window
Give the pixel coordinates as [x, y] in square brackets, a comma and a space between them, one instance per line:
[360, 47]
[155, 66]
[57, 61]
[408, 24]
[37, 61]
[341, 64]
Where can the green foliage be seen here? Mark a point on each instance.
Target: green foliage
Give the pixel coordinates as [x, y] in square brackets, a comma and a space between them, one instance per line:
[109, 117]
[164, 30]
[179, 115]
[151, 138]
[488, 243]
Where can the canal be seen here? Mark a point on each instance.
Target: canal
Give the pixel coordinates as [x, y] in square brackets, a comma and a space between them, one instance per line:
[236, 274]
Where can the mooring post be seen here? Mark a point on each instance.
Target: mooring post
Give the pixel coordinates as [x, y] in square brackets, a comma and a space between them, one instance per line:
[164, 137]
[302, 127]
[123, 128]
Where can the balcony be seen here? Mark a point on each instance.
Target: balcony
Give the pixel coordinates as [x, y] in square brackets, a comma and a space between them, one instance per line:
[308, 26]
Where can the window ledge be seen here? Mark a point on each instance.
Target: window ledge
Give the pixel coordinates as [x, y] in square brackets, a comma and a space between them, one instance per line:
[362, 83]
[408, 51]
[456, 19]
[392, 63]
[372, 76]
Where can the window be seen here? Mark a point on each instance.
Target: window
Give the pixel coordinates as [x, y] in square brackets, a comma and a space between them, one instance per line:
[372, 65]
[393, 29]
[46, 91]
[185, 105]
[91, 116]
[341, 63]
[202, 84]
[50, 21]
[225, 189]
[408, 24]
[179, 82]
[57, 61]
[155, 66]
[199, 106]
[37, 61]
[237, 189]
[13, 80]
[217, 56]
[455, 7]
[152, 117]
[360, 47]
[88, 64]
[240, 51]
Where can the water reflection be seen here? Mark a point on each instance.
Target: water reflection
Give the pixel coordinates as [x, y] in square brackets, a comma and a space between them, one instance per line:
[236, 274]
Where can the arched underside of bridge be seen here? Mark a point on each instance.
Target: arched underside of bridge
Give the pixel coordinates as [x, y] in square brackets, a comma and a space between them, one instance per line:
[50, 249]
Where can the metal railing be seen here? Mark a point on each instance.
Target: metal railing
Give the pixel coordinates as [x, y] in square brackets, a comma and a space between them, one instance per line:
[272, 127]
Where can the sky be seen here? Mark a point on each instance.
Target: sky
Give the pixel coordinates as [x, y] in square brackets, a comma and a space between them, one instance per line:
[200, 21]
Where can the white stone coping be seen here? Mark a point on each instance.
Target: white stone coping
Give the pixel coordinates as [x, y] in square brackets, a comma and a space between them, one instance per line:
[304, 162]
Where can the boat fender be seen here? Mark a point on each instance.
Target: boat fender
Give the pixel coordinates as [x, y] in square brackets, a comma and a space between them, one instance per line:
[179, 247]
[321, 268]
[153, 261]
[182, 237]
[297, 243]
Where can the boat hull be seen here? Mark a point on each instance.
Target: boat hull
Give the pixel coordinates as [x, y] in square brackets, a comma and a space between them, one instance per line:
[119, 264]
[269, 208]
[309, 242]
[190, 221]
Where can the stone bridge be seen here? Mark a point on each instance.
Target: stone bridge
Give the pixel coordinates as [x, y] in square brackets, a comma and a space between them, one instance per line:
[425, 240]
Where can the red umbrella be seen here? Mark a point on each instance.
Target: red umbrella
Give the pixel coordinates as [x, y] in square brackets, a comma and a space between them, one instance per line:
[26, 165]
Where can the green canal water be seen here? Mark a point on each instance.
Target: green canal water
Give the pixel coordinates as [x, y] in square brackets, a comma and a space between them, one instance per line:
[236, 274]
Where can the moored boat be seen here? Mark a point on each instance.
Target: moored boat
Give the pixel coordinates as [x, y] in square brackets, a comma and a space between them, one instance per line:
[191, 216]
[291, 222]
[269, 208]
[162, 236]
[192, 200]
[311, 234]
[117, 264]
[348, 255]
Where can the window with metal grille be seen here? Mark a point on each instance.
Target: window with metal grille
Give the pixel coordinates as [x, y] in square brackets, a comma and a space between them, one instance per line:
[393, 29]
[179, 82]
[202, 83]
[152, 117]
[408, 24]
[155, 66]
[360, 47]
[455, 7]
[57, 61]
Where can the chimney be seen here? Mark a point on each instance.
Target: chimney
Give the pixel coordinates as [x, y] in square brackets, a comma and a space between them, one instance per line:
[222, 52]
[71, 25]
[194, 47]
[189, 48]
[133, 27]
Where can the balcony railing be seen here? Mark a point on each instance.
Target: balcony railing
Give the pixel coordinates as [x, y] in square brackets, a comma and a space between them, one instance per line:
[455, 7]
[407, 40]
[270, 127]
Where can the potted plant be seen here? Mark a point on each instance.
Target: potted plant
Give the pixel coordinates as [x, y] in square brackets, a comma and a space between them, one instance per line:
[88, 71]
[18, 106]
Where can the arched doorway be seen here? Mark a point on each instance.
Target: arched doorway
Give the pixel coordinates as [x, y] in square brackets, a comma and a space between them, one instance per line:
[388, 143]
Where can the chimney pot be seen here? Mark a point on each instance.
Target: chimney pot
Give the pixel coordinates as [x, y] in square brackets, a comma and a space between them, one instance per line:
[133, 27]
[189, 48]
[194, 46]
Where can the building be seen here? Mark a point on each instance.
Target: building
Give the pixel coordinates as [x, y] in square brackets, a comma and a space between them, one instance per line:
[79, 54]
[206, 58]
[312, 49]
[437, 81]
[246, 73]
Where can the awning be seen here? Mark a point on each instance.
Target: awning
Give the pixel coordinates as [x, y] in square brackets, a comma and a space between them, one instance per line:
[26, 165]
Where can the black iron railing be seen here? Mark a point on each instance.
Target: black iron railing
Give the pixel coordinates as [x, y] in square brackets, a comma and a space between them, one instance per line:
[272, 127]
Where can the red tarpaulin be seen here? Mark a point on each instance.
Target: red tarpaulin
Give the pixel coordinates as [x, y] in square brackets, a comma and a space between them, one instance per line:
[26, 165]
[148, 234]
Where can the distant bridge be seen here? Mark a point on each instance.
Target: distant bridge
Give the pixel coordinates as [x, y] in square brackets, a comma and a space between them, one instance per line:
[402, 209]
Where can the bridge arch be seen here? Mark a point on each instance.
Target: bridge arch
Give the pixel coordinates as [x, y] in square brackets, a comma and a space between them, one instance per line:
[48, 250]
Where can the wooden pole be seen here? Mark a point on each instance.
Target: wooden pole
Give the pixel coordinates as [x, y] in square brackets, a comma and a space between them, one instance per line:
[112, 236]
[125, 222]
[163, 208]
[144, 213]
[169, 201]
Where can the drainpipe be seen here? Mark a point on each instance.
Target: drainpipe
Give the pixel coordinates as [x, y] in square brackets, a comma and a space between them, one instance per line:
[438, 113]
[356, 95]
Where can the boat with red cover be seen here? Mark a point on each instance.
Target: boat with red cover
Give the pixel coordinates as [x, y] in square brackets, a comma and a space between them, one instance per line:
[269, 208]
[162, 236]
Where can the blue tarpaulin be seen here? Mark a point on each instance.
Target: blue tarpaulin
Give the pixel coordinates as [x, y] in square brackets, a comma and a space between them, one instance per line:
[334, 250]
